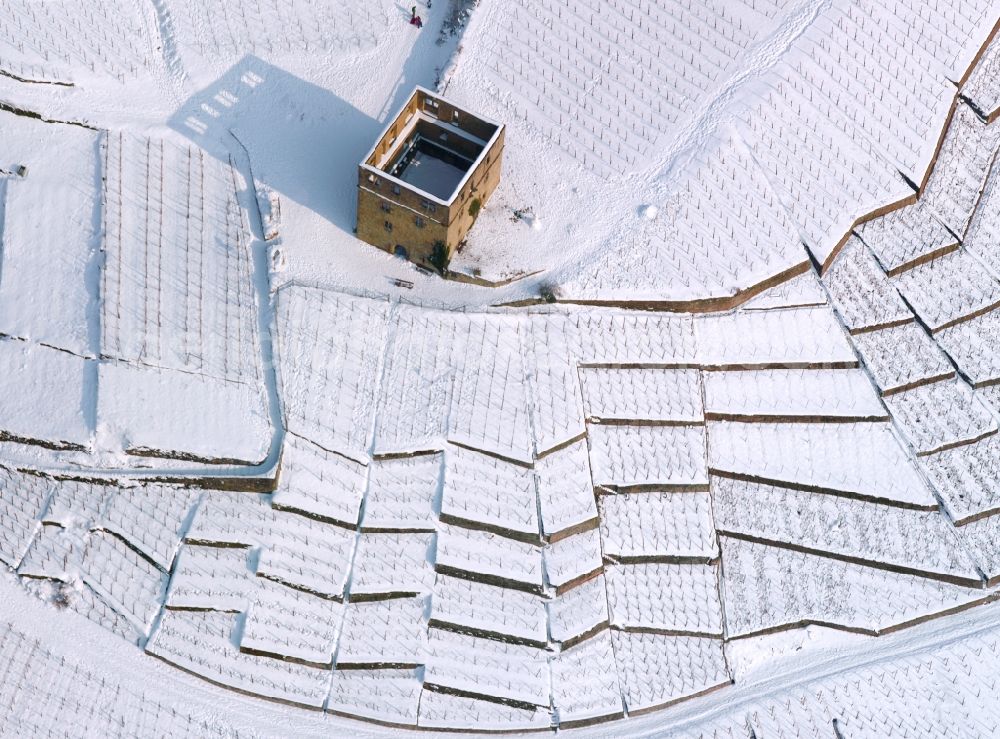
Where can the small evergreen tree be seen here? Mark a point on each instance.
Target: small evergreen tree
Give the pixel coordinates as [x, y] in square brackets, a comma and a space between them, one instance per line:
[439, 256]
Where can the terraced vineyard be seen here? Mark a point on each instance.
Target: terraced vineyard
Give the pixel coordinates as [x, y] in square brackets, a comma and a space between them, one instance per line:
[725, 466]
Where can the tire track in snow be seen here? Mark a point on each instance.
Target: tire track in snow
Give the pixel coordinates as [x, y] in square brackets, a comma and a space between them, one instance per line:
[699, 132]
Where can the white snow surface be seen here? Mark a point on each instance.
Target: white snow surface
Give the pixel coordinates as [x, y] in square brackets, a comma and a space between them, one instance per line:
[280, 469]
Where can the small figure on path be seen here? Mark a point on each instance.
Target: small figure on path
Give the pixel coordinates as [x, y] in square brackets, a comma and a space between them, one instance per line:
[413, 13]
[416, 21]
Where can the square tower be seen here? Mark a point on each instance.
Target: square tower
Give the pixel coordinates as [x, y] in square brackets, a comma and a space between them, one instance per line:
[423, 183]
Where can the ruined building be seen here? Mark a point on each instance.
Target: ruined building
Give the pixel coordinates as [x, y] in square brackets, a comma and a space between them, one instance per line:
[423, 183]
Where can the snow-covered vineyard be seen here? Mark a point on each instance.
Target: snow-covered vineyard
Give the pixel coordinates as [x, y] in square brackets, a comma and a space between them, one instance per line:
[738, 476]
[50, 690]
[474, 533]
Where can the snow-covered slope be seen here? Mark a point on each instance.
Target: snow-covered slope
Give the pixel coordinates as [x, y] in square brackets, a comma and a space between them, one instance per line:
[757, 415]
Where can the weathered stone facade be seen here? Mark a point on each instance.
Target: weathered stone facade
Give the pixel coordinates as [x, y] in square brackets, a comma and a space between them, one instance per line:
[401, 217]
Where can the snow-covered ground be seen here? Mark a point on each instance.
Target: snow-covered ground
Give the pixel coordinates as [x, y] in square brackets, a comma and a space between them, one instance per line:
[752, 434]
